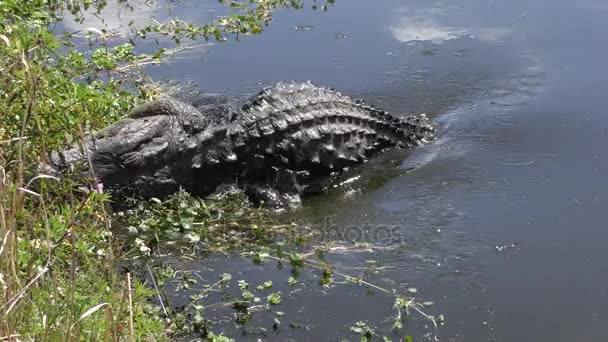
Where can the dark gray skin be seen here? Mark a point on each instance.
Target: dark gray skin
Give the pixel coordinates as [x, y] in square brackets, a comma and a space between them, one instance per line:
[288, 141]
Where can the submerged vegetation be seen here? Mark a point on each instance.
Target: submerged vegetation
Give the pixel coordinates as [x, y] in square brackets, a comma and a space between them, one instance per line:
[60, 244]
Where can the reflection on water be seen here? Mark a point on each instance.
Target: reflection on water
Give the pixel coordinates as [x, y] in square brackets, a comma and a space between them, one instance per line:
[412, 29]
[119, 17]
[423, 23]
[420, 29]
[501, 221]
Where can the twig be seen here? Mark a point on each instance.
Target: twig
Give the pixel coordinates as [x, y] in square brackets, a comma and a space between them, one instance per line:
[12, 140]
[131, 329]
[150, 60]
[427, 316]
[203, 293]
[162, 304]
[315, 266]
[15, 299]
[4, 240]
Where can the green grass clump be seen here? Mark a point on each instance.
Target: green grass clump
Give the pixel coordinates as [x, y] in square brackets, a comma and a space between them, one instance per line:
[56, 249]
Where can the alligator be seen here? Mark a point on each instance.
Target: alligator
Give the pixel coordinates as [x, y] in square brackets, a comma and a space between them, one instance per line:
[288, 141]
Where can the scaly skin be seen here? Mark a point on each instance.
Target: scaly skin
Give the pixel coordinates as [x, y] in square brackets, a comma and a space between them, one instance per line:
[289, 139]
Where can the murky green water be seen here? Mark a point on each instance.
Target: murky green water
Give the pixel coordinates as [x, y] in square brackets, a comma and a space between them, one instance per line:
[502, 222]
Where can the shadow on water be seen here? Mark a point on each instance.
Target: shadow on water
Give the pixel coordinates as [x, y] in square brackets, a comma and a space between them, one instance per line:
[500, 222]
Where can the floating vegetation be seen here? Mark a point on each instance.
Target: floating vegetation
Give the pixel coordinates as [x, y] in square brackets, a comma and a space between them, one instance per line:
[222, 222]
[226, 223]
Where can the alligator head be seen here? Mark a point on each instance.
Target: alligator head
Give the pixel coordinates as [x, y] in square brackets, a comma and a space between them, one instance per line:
[141, 151]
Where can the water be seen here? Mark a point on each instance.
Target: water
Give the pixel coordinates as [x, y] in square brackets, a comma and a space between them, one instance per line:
[501, 222]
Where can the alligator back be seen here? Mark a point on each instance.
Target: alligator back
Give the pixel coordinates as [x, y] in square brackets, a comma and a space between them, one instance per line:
[298, 133]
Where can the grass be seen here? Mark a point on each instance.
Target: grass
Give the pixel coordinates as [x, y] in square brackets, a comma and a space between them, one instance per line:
[57, 249]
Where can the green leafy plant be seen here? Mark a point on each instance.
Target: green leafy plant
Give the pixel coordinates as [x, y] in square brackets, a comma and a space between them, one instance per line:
[362, 329]
[274, 298]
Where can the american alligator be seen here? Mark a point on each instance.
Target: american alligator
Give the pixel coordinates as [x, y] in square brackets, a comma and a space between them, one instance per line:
[288, 139]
